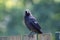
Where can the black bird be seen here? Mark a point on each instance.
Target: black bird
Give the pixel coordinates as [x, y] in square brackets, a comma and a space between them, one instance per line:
[31, 22]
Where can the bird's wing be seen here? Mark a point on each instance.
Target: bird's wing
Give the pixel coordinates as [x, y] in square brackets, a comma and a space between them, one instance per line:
[35, 24]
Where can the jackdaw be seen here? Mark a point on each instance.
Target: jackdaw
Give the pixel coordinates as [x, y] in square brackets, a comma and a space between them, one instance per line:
[31, 22]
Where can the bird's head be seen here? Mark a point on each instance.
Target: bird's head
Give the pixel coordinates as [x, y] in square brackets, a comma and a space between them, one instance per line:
[27, 12]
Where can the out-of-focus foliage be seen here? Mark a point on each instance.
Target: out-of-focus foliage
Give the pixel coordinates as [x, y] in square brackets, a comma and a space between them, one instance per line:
[47, 13]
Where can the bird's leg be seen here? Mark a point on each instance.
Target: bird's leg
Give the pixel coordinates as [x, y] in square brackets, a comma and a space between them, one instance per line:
[31, 34]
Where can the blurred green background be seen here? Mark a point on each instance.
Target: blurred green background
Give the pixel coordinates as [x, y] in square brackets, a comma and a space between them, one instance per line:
[47, 12]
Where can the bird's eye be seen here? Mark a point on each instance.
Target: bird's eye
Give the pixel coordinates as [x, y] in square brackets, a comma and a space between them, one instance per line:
[25, 11]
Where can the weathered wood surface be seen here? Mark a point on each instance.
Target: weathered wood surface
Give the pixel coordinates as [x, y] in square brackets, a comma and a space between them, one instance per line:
[44, 37]
[10, 38]
[26, 37]
[39, 37]
[14, 38]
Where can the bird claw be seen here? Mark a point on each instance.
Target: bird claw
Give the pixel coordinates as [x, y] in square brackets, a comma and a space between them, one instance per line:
[31, 36]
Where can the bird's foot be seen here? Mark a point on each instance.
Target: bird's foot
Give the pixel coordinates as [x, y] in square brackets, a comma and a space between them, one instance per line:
[31, 36]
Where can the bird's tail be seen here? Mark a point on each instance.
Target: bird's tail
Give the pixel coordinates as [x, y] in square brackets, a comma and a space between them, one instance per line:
[40, 32]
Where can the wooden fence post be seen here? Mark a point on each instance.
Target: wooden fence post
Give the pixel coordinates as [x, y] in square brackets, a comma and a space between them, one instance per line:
[26, 37]
[14, 37]
[3, 38]
[44, 37]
